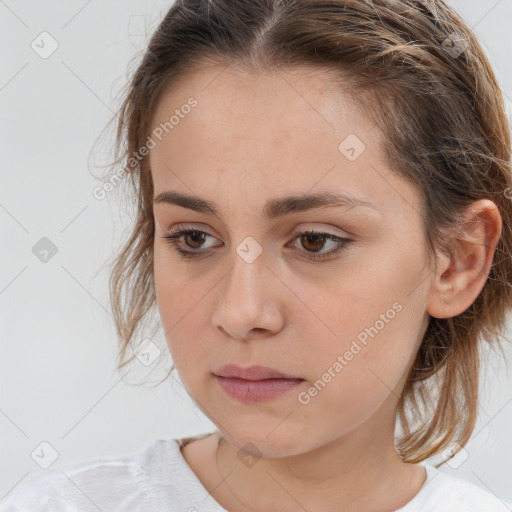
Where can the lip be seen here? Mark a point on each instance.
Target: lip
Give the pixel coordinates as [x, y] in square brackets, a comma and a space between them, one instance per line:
[254, 384]
[254, 372]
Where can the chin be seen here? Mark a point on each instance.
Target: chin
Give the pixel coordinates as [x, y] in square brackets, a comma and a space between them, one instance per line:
[256, 441]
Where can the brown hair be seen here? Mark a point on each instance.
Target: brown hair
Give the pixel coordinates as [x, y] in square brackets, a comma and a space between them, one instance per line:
[435, 98]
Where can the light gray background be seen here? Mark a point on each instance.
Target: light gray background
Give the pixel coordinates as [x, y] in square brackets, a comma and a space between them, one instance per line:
[58, 343]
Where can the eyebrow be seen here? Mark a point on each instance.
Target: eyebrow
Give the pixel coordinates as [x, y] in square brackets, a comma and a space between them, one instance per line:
[274, 208]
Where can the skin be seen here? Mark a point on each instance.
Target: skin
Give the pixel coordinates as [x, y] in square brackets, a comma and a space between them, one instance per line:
[253, 138]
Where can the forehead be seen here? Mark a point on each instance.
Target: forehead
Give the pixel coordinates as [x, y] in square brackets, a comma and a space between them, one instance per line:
[300, 103]
[258, 135]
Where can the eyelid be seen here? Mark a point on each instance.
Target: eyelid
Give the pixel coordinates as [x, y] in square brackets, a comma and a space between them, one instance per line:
[342, 244]
[296, 231]
[321, 229]
[191, 227]
[181, 229]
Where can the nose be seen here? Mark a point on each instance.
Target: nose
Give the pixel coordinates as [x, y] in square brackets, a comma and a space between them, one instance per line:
[249, 300]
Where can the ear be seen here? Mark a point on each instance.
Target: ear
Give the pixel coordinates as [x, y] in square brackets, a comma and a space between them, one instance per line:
[462, 274]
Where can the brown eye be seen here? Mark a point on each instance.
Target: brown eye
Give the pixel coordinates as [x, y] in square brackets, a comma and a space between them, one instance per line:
[313, 241]
[188, 243]
[196, 238]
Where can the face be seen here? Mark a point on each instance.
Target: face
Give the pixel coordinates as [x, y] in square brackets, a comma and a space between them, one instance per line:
[342, 308]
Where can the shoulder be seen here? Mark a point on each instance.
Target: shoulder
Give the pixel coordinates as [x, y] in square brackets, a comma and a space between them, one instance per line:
[151, 479]
[445, 492]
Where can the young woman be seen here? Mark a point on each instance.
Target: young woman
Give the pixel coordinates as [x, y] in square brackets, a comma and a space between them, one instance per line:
[324, 224]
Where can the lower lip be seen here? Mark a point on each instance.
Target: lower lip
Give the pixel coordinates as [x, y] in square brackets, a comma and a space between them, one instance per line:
[253, 391]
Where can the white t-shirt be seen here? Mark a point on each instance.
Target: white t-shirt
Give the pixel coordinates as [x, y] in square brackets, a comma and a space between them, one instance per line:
[158, 479]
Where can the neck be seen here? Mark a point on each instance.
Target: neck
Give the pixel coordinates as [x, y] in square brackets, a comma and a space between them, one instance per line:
[360, 471]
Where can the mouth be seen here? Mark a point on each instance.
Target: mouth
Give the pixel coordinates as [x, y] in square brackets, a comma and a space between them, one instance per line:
[255, 383]
[254, 372]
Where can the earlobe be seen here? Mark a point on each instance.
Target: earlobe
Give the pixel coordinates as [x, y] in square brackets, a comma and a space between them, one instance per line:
[462, 274]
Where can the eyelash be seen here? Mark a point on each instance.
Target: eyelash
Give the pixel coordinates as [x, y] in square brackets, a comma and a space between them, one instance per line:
[173, 239]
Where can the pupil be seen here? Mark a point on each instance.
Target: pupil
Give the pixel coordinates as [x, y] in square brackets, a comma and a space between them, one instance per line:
[196, 237]
[313, 238]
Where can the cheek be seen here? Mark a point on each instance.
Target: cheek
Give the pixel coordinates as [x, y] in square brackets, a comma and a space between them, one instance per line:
[352, 379]
[372, 296]
[177, 291]
[184, 301]
[167, 289]
[178, 300]
[370, 323]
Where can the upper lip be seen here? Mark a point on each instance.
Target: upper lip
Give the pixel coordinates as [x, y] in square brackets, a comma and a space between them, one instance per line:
[251, 372]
